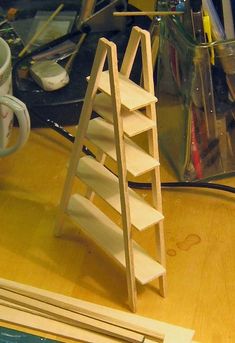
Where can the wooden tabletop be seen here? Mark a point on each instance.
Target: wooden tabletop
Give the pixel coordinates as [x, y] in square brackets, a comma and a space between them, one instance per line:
[199, 232]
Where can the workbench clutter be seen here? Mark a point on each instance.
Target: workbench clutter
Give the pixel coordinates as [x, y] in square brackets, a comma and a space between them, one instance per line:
[196, 91]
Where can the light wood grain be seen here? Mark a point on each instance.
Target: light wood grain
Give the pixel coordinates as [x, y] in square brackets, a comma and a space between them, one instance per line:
[115, 89]
[97, 68]
[129, 156]
[132, 95]
[103, 231]
[150, 327]
[148, 83]
[106, 185]
[32, 321]
[101, 133]
[134, 122]
[68, 317]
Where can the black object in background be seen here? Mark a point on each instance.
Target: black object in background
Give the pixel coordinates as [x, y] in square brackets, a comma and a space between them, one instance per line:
[219, 9]
[197, 20]
[64, 105]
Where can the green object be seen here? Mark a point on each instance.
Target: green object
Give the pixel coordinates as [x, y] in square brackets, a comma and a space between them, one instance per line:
[15, 336]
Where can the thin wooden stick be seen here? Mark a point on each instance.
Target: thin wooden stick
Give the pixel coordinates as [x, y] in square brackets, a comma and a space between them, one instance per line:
[24, 309]
[85, 115]
[149, 13]
[32, 321]
[41, 30]
[69, 63]
[144, 325]
[154, 151]
[122, 175]
[72, 318]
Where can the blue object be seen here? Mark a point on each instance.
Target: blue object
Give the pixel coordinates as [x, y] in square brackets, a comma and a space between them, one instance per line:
[180, 7]
[233, 9]
[15, 336]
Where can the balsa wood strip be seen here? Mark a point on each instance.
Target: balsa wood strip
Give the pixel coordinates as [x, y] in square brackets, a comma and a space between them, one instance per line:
[108, 236]
[132, 95]
[148, 83]
[101, 134]
[27, 310]
[35, 322]
[72, 318]
[97, 67]
[24, 309]
[122, 176]
[147, 326]
[134, 122]
[106, 185]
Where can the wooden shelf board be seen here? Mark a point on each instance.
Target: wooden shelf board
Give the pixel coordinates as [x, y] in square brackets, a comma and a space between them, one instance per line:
[134, 122]
[107, 235]
[101, 134]
[132, 95]
[106, 185]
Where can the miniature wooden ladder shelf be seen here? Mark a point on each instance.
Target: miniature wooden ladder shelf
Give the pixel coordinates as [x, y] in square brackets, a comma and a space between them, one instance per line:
[120, 103]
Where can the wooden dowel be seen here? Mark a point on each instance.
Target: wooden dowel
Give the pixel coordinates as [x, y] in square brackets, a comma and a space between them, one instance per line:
[147, 13]
[74, 54]
[72, 318]
[41, 30]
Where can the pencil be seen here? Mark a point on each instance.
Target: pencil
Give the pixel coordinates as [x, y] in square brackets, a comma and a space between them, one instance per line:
[41, 30]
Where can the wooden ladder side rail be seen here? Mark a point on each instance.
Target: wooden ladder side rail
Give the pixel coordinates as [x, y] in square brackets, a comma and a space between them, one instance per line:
[154, 151]
[122, 175]
[92, 87]
[131, 50]
[139, 36]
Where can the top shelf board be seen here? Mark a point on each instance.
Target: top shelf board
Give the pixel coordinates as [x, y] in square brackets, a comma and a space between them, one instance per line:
[132, 95]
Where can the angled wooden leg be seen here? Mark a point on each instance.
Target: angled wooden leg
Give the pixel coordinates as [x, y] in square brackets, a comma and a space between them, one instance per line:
[162, 257]
[122, 175]
[131, 51]
[92, 87]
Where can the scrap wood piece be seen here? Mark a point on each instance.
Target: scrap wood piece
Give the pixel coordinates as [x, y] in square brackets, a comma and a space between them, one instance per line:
[149, 327]
[71, 318]
[65, 302]
[32, 321]
[38, 313]
[24, 309]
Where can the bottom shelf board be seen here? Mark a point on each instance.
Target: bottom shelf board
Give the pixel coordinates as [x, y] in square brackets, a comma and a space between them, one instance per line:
[108, 236]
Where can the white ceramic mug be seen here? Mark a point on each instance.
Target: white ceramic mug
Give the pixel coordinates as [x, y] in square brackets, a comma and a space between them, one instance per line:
[10, 105]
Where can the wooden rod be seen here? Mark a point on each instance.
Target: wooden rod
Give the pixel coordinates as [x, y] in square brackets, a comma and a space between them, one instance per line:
[72, 318]
[41, 30]
[34, 322]
[148, 327]
[148, 13]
